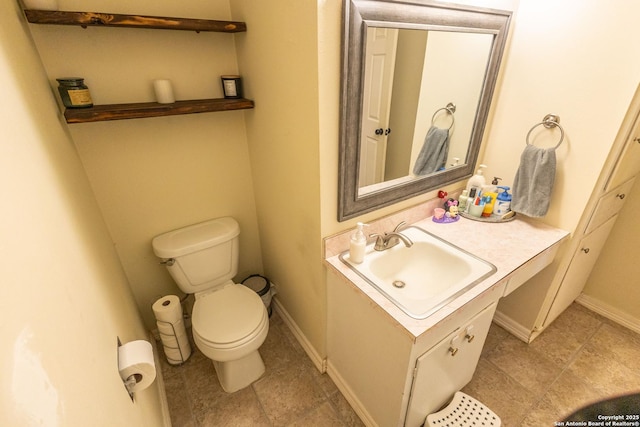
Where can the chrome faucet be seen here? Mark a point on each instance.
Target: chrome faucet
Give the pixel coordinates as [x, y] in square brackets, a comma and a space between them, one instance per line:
[388, 240]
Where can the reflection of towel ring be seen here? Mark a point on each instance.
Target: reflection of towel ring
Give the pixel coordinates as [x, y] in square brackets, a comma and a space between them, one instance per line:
[450, 108]
[550, 121]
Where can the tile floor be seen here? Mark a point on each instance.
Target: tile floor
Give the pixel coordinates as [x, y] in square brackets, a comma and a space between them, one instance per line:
[292, 392]
[581, 357]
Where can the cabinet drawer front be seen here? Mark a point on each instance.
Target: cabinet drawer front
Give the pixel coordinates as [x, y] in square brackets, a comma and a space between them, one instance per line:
[609, 205]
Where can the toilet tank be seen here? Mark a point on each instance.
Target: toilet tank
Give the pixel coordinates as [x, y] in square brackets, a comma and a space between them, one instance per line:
[200, 256]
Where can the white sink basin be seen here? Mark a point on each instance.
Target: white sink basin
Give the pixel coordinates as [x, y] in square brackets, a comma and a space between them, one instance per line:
[424, 277]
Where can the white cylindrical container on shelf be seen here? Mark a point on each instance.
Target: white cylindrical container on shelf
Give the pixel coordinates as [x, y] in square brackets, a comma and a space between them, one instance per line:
[175, 342]
[164, 91]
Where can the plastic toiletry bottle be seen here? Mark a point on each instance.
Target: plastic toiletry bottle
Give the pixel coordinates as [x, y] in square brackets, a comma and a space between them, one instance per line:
[463, 200]
[471, 199]
[503, 201]
[477, 181]
[489, 201]
[358, 244]
[490, 193]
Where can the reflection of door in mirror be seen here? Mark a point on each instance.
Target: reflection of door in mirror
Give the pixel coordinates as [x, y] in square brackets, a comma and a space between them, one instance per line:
[376, 99]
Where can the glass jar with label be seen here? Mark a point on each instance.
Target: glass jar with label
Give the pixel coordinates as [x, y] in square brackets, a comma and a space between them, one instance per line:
[74, 93]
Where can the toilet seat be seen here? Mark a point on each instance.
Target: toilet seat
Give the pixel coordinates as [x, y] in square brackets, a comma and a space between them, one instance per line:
[229, 318]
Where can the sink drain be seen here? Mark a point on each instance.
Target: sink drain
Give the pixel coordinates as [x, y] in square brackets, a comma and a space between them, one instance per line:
[398, 283]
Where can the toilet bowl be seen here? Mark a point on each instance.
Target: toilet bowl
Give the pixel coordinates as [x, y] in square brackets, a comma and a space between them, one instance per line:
[229, 321]
[229, 325]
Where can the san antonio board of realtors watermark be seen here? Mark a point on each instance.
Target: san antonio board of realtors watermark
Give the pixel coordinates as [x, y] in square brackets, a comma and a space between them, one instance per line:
[631, 420]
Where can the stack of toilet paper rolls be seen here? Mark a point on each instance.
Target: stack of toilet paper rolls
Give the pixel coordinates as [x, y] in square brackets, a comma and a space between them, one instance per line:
[173, 334]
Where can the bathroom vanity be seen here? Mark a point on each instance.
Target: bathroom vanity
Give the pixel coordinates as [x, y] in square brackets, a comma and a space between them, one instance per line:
[395, 369]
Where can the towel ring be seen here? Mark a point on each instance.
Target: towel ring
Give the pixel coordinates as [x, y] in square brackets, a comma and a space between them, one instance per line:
[550, 121]
[450, 108]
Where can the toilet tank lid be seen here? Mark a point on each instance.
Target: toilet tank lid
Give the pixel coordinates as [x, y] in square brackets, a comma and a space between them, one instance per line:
[195, 237]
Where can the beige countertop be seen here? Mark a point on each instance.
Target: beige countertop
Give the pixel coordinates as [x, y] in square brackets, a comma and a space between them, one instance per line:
[507, 245]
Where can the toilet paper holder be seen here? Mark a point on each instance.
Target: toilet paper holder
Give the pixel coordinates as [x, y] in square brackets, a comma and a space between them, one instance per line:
[130, 381]
[183, 356]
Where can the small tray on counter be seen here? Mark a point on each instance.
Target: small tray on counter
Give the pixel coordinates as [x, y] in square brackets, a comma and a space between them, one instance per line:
[492, 218]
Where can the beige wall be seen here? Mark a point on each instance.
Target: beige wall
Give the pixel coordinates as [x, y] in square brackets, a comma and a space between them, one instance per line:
[155, 175]
[280, 54]
[66, 296]
[576, 62]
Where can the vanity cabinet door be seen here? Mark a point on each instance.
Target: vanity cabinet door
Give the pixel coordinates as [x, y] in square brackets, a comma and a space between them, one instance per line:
[580, 268]
[447, 367]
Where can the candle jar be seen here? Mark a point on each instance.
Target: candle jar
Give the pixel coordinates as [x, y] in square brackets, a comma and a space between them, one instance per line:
[74, 93]
[232, 86]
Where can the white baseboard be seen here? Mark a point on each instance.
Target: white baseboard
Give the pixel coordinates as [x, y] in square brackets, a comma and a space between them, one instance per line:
[350, 396]
[317, 360]
[512, 326]
[609, 312]
[164, 403]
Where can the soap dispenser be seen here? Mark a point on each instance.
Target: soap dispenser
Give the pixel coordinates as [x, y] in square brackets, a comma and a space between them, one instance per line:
[503, 202]
[477, 181]
[358, 244]
[493, 187]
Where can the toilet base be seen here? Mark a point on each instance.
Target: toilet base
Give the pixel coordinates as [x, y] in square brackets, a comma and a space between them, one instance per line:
[238, 374]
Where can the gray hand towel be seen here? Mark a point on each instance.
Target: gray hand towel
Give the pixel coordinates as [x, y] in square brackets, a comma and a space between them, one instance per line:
[434, 151]
[534, 180]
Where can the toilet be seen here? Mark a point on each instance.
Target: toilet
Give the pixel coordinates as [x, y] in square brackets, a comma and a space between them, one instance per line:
[229, 321]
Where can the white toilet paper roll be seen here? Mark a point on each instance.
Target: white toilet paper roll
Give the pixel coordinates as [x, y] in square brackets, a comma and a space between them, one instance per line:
[168, 309]
[135, 359]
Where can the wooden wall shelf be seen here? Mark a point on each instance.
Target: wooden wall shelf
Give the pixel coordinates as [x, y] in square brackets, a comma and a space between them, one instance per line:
[99, 113]
[85, 19]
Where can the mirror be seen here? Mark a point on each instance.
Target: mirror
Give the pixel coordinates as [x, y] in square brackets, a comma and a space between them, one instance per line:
[417, 82]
